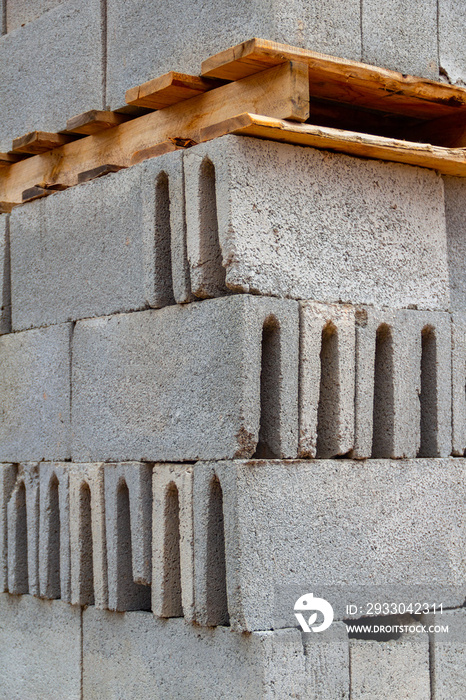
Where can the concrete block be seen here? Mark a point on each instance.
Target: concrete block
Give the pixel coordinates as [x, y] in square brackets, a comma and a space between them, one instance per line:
[326, 393]
[447, 653]
[347, 531]
[183, 382]
[458, 361]
[128, 521]
[455, 202]
[54, 531]
[68, 37]
[327, 663]
[292, 236]
[41, 649]
[403, 384]
[401, 35]
[135, 257]
[87, 535]
[35, 380]
[7, 484]
[5, 289]
[172, 541]
[136, 655]
[144, 41]
[19, 13]
[394, 669]
[452, 40]
[23, 531]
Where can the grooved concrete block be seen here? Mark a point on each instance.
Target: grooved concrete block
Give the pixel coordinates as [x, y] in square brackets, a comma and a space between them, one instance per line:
[69, 36]
[327, 663]
[19, 13]
[447, 654]
[169, 660]
[23, 531]
[128, 520]
[5, 291]
[144, 41]
[35, 381]
[394, 669]
[185, 382]
[87, 535]
[401, 35]
[7, 483]
[172, 541]
[326, 396]
[54, 532]
[41, 649]
[403, 384]
[292, 236]
[458, 361]
[452, 39]
[124, 247]
[343, 530]
[455, 203]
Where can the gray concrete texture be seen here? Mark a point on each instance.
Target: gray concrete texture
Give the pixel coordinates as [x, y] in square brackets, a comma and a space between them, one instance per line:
[135, 655]
[455, 202]
[403, 384]
[54, 531]
[330, 233]
[448, 654]
[326, 526]
[35, 381]
[5, 288]
[23, 531]
[458, 362]
[87, 536]
[184, 382]
[172, 541]
[7, 484]
[19, 13]
[452, 40]
[394, 669]
[66, 43]
[326, 380]
[41, 649]
[144, 41]
[128, 514]
[111, 245]
[327, 664]
[401, 35]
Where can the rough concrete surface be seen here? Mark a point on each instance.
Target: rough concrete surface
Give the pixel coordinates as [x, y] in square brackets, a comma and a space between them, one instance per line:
[384, 528]
[35, 381]
[455, 202]
[5, 289]
[184, 382]
[23, 531]
[7, 484]
[40, 642]
[452, 40]
[458, 362]
[54, 531]
[170, 660]
[327, 663]
[67, 43]
[448, 654]
[106, 246]
[340, 229]
[19, 13]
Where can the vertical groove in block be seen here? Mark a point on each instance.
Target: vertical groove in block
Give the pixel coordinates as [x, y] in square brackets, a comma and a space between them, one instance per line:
[458, 358]
[383, 402]
[428, 395]
[5, 275]
[54, 531]
[216, 582]
[7, 484]
[163, 236]
[172, 573]
[327, 412]
[23, 532]
[86, 554]
[268, 445]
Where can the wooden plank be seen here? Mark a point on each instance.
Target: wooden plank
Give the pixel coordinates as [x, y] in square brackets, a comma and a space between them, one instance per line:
[173, 144]
[169, 89]
[6, 207]
[280, 92]
[39, 191]
[39, 142]
[342, 80]
[94, 121]
[449, 161]
[100, 171]
[7, 159]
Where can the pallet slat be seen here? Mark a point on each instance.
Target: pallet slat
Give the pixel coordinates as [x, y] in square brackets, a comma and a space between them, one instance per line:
[37, 142]
[94, 121]
[169, 89]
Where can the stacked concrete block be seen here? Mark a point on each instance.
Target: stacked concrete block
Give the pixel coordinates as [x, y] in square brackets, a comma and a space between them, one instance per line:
[182, 662]
[335, 528]
[289, 236]
[54, 532]
[172, 541]
[69, 36]
[447, 653]
[403, 384]
[35, 389]
[326, 380]
[128, 513]
[23, 531]
[327, 663]
[452, 40]
[5, 294]
[398, 668]
[41, 649]
[7, 484]
[87, 535]
[185, 381]
[19, 13]
[111, 245]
